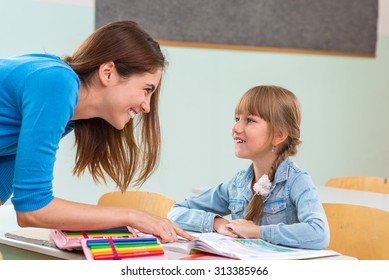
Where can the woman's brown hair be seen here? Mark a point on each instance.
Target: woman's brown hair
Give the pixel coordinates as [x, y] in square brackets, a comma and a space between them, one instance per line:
[133, 152]
[281, 109]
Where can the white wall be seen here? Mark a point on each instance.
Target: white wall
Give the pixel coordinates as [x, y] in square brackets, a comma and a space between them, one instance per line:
[344, 102]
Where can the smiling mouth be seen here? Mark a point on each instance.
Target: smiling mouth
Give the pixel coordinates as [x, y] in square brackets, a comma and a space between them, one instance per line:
[237, 140]
[131, 113]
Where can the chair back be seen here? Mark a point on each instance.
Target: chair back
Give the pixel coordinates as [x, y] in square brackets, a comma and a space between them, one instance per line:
[358, 231]
[151, 202]
[361, 183]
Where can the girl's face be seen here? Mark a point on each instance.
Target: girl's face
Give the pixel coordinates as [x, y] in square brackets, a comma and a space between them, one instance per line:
[251, 135]
[125, 98]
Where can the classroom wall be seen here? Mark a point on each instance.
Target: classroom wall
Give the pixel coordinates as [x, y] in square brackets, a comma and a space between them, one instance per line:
[344, 102]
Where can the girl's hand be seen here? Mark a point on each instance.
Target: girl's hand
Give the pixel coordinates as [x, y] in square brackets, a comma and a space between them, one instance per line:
[219, 226]
[244, 228]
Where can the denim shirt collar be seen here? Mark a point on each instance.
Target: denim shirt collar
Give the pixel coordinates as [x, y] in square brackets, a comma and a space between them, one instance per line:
[282, 171]
[244, 179]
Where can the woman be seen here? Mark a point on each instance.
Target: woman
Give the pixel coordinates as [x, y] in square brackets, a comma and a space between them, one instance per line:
[107, 91]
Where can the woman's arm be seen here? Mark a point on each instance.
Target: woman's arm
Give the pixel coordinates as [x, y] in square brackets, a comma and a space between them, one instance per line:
[67, 215]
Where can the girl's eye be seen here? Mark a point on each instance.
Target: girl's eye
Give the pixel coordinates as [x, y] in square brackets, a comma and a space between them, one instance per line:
[236, 119]
[250, 120]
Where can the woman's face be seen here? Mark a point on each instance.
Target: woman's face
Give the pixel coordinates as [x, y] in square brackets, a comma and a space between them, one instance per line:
[126, 97]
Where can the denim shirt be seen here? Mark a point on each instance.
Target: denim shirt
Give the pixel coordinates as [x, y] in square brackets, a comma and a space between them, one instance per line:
[292, 216]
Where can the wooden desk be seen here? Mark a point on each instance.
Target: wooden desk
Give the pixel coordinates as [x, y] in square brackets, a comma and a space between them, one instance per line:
[18, 250]
[337, 195]
[22, 250]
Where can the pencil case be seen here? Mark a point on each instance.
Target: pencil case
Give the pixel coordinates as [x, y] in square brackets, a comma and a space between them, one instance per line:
[72, 239]
[123, 248]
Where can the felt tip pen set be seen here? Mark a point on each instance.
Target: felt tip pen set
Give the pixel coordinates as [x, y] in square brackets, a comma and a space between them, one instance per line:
[72, 239]
[109, 244]
[123, 248]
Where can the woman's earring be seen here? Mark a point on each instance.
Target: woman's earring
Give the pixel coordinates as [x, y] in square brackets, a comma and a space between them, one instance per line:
[273, 149]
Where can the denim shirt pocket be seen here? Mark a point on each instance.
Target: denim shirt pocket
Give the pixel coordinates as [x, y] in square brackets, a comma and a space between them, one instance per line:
[274, 212]
[236, 207]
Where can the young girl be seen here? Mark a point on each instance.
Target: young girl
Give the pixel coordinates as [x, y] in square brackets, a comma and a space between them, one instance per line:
[273, 199]
[107, 91]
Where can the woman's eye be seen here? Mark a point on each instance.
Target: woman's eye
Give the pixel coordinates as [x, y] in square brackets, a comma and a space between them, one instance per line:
[236, 119]
[250, 120]
[149, 90]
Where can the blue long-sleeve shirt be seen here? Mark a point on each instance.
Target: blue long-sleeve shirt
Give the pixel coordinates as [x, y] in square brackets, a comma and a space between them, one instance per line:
[38, 95]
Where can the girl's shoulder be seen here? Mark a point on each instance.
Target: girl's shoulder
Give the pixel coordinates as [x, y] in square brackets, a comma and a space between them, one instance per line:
[289, 170]
[243, 177]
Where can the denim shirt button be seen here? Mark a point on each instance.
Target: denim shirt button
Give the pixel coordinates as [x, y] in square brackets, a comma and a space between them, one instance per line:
[273, 210]
[206, 229]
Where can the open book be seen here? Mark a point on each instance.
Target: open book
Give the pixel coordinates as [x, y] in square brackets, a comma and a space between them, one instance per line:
[243, 249]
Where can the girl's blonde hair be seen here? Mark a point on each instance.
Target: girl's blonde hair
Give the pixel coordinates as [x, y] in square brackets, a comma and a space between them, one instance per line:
[280, 108]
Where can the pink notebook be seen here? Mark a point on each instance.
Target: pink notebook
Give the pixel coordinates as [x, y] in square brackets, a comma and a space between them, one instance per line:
[72, 239]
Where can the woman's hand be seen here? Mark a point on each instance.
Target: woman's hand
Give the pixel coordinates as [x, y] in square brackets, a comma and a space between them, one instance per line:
[162, 228]
[244, 228]
[220, 226]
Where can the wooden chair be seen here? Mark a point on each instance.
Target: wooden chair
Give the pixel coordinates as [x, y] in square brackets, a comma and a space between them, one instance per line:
[358, 231]
[361, 183]
[154, 203]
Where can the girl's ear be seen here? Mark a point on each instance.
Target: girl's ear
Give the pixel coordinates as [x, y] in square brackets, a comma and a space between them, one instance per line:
[279, 137]
[106, 70]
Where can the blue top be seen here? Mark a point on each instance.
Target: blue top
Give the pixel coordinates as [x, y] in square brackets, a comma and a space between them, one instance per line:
[293, 214]
[38, 94]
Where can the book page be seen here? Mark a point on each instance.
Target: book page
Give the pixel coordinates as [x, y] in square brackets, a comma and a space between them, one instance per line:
[239, 248]
[252, 249]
